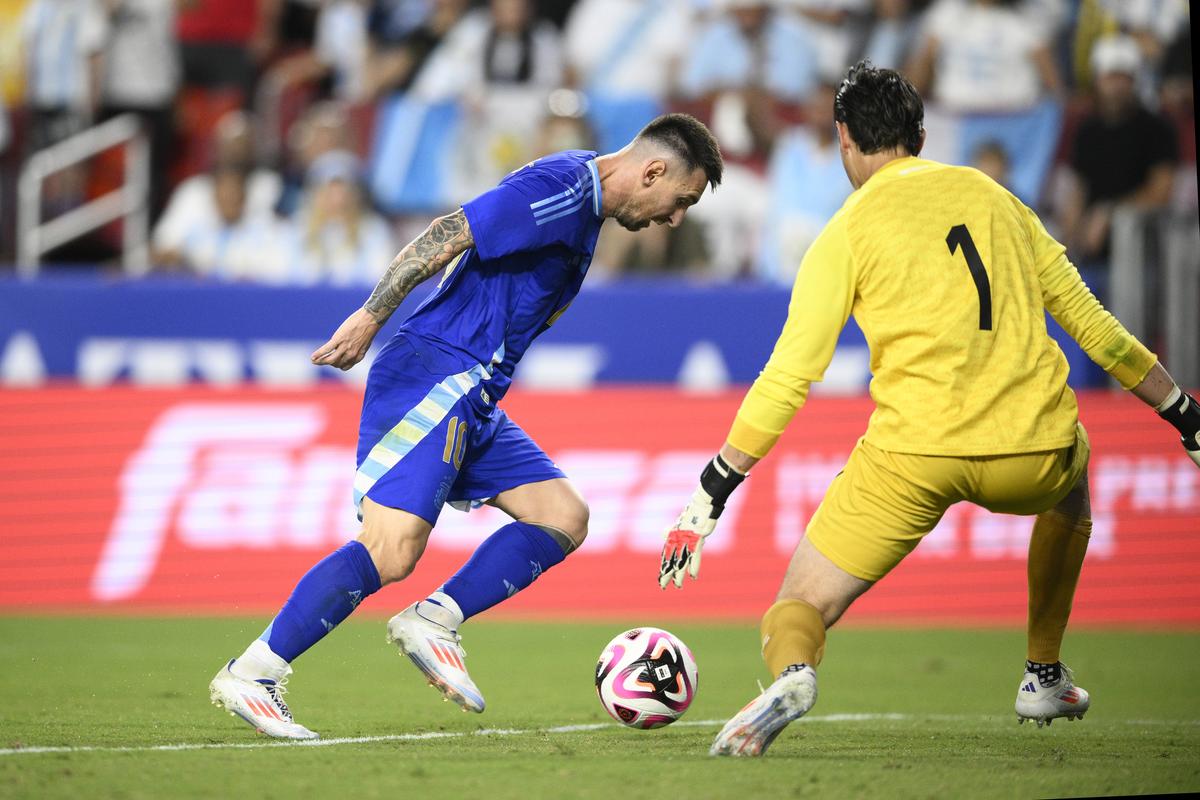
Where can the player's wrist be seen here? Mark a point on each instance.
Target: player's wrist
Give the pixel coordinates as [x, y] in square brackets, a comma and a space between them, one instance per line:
[1181, 410]
[717, 481]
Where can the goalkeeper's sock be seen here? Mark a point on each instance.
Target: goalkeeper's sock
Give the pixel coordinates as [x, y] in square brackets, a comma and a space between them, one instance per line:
[1056, 550]
[793, 633]
[508, 561]
[1047, 674]
[325, 596]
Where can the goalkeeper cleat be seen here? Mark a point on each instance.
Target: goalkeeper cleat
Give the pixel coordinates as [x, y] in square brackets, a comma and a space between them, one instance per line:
[752, 729]
[435, 650]
[1044, 704]
[259, 703]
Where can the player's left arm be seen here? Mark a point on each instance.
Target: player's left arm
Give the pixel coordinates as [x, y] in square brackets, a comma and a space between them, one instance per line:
[442, 242]
[821, 301]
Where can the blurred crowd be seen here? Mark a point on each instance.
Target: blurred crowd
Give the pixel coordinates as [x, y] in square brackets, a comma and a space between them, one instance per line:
[302, 141]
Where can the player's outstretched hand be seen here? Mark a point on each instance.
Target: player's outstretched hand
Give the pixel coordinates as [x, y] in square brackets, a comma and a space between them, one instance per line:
[349, 342]
[1181, 410]
[681, 553]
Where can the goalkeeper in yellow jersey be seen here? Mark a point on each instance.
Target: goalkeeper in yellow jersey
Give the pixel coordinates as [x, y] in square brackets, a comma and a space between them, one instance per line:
[949, 276]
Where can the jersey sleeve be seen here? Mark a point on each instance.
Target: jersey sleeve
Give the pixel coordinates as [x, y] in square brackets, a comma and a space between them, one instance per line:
[822, 298]
[530, 210]
[1072, 304]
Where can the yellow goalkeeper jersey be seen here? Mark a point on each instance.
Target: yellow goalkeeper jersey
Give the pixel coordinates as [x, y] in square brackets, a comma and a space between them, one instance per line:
[949, 276]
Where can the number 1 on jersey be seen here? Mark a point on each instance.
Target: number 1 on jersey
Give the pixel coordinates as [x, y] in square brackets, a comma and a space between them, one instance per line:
[958, 237]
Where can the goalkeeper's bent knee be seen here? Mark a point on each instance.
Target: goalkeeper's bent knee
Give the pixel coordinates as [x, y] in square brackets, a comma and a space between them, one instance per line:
[793, 632]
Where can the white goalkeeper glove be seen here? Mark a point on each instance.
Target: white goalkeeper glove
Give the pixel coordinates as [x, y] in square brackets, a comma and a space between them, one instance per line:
[681, 553]
[1181, 410]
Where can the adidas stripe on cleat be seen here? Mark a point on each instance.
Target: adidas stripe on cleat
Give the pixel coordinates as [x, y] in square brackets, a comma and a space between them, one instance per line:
[435, 650]
[259, 703]
[1044, 704]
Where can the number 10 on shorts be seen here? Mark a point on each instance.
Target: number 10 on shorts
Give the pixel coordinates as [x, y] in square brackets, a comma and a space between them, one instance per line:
[456, 442]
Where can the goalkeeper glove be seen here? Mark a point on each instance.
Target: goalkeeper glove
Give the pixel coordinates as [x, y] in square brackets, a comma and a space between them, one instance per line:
[681, 553]
[1180, 409]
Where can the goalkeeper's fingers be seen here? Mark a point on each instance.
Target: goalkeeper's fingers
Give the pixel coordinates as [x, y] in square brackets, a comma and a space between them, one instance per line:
[693, 565]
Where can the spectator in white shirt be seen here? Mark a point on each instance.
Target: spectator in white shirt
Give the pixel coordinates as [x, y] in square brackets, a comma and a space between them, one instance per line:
[236, 245]
[985, 56]
[194, 202]
[335, 239]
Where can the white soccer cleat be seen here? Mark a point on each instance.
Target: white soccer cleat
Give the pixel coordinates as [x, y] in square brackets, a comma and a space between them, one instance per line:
[436, 651]
[1044, 704]
[752, 729]
[260, 703]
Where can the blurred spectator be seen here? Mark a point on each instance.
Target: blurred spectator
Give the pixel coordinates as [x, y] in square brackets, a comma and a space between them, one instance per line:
[64, 45]
[235, 244]
[564, 128]
[893, 32]
[503, 46]
[985, 55]
[223, 42]
[337, 239]
[324, 127]
[1122, 152]
[807, 185]
[1153, 24]
[194, 202]
[991, 158]
[748, 57]
[336, 60]
[401, 36]
[626, 55]
[835, 27]
[499, 65]
[142, 77]
[751, 43]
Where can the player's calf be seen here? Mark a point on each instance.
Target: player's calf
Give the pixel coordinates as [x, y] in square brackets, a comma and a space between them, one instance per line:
[1048, 692]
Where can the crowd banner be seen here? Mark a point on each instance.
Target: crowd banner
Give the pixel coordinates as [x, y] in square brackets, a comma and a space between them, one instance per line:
[172, 332]
[216, 500]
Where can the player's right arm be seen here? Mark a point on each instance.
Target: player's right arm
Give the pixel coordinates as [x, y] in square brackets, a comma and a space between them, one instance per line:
[444, 239]
[1107, 342]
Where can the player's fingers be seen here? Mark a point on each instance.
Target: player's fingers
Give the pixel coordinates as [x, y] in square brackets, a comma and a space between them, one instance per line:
[679, 570]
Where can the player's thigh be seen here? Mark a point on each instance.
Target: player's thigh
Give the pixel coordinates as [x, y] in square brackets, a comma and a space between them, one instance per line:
[1030, 483]
[818, 581]
[395, 539]
[880, 506]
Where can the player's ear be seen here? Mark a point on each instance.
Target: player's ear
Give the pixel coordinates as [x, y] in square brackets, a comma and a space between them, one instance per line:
[653, 170]
[843, 134]
[920, 143]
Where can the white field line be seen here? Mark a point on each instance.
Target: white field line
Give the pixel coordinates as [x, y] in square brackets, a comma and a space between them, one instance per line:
[403, 737]
[417, 737]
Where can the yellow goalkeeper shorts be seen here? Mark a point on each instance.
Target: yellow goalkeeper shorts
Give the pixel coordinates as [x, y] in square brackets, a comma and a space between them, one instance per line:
[882, 503]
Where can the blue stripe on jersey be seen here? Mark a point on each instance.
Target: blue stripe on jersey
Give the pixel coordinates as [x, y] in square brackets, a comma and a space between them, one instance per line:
[572, 200]
[559, 196]
[578, 204]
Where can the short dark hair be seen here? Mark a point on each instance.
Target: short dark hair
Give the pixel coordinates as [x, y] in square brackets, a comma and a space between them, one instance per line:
[688, 138]
[882, 109]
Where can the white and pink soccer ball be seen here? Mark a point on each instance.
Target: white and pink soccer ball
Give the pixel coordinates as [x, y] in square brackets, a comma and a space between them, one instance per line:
[646, 678]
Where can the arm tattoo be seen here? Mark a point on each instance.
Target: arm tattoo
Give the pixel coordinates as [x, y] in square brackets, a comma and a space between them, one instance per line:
[424, 256]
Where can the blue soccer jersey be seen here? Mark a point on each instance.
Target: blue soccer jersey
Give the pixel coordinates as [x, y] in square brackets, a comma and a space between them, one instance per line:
[534, 238]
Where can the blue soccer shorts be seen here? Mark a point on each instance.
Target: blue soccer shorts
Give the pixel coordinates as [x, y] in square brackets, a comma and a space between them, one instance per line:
[429, 436]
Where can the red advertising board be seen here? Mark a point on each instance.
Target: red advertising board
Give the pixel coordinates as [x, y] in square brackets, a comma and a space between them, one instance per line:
[217, 500]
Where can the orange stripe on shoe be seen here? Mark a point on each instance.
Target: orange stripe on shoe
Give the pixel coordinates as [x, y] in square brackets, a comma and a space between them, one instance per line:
[437, 651]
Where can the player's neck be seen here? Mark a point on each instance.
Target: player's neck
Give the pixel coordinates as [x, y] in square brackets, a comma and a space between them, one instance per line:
[869, 164]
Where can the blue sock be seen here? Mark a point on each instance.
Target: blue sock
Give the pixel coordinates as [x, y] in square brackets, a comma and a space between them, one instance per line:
[508, 561]
[325, 596]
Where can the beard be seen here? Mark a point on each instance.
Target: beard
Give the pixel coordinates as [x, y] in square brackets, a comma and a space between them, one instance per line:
[631, 223]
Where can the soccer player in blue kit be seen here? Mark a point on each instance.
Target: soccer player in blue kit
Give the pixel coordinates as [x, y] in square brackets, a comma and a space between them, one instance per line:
[431, 431]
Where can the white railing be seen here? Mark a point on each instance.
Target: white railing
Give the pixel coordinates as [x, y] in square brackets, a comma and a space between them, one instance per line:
[129, 202]
[1155, 284]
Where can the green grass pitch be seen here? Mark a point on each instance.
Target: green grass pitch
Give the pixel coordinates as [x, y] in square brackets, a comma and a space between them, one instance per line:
[902, 713]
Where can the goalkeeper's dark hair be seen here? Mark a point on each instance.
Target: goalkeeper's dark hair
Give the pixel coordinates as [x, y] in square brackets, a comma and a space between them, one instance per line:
[688, 138]
[882, 109]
